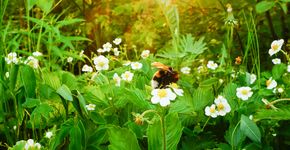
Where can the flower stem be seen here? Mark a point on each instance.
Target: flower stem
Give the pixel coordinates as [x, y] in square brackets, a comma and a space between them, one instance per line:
[205, 123]
[162, 119]
[285, 53]
[163, 132]
[279, 100]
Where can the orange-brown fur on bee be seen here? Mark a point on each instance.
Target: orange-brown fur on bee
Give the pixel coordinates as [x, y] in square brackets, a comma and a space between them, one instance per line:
[165, 75]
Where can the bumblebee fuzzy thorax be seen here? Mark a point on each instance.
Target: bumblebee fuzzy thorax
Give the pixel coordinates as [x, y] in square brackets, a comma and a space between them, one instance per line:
[164, 76]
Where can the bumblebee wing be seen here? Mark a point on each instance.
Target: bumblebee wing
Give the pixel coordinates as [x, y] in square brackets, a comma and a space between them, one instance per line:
[160, 66]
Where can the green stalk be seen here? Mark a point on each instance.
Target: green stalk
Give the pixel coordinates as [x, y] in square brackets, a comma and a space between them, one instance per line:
[232, 136]
[40, 33]
[205, 123]
[28, 27]
[163, 131]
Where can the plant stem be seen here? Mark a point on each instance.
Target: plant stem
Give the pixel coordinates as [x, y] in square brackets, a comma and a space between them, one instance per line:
[163, 132]
[270, 23]
[279, 100]
[232, 136]
[205, 123]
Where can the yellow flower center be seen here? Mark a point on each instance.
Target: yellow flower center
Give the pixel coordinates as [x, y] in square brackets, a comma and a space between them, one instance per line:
[162, 93]
[244, 92]
[268, 82]
[275, 47]
[101, 64]
[220, 106]
[212, 109]
[174, 85]
[126, 75]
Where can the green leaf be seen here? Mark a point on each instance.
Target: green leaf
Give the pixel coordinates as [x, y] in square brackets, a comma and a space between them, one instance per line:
[40, 115]
[77, 137]
[137, 97]
[202, 97]
[279, 114]
[69, 22]
[45, 5]
[278, 71]
[30, 102]
[20, 145]
[154, 133]
[51, 79]
[62, 134]
[97, 118]
[79, 103]
[209, 82]
[173, 130]
[122, 139]
[264, 6]
[250, 129]
[13, 77]
[230, 94]
[30, 4]
[235, 136]
[70, 80]
[65, 92]
[29, 80]
[284, 7]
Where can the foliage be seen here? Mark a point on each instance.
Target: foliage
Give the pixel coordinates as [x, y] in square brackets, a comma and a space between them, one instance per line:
[76, 75]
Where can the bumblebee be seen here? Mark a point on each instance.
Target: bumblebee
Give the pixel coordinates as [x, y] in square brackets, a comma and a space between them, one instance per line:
[164, 76]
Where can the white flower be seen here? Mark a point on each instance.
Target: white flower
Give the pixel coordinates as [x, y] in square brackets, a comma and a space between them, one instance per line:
[211, 111]
[200, 69]
[276, 46]
[145, 54]
[154, 84]
[107, 47]
[253, 78]
[81, 54]
[116, 51]
[101, 63]
[276, 61]
[244, 93]
[31, 145]
[222, 105]
[280, 90]
[32, 62]
[11, 58]
[87, 68]
[162, 96]
[229, 9]
[251, 117]
[185, 70]
[127, 63]
[212, 65]
[127, 76]
[176, 89]
[288, 68]
[117, 41]
[91, 107]
[100, 50]
[69, 59]
[14, 127]
[136, 65]
[37, 53]
[7, 74]
[117, 79]
[48, 134]
[271, 83]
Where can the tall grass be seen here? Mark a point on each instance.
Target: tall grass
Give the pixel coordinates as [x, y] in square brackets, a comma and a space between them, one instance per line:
[252, 46]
